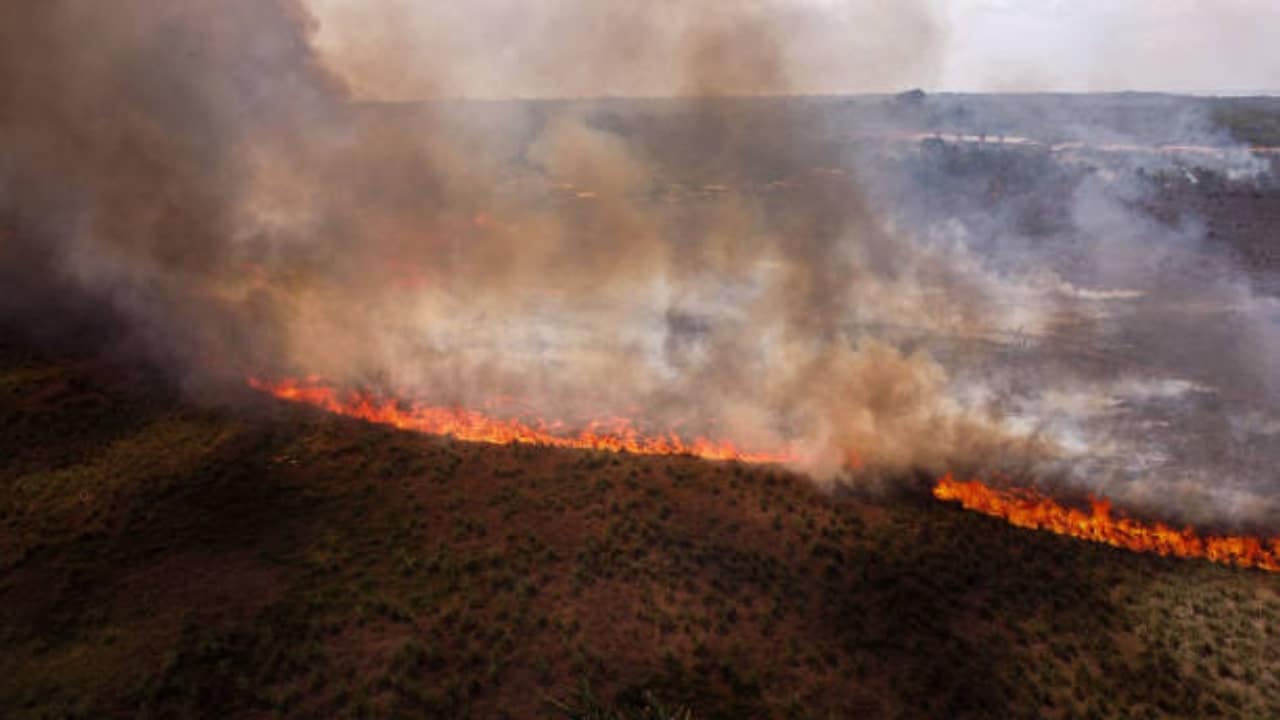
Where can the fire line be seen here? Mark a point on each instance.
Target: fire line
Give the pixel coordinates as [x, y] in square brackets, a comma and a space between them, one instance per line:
[1023, 508]
[1029, 509]
[615, 434]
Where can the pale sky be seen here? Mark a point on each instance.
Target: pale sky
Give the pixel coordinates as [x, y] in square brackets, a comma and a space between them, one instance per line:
[408, 49]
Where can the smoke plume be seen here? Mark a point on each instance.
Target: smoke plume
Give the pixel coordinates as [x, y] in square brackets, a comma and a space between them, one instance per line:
[722, 262]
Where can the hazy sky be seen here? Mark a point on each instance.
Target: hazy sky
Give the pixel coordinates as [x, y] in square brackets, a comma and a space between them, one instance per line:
[400, 49]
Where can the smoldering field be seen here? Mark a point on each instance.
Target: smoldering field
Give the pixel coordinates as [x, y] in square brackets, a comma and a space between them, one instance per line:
[1026, 296]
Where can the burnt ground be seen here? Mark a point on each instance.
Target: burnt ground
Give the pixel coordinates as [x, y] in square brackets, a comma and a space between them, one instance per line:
[159, 559]
[1240, 218]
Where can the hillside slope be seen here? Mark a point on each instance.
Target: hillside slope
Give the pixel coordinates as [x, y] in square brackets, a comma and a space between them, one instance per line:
[162, 559]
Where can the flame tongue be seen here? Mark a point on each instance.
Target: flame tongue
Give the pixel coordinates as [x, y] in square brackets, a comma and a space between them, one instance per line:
[1029, 509]
[1023, 508]
[618, 434]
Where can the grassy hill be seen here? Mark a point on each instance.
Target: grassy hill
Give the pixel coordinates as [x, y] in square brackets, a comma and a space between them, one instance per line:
[160, 558]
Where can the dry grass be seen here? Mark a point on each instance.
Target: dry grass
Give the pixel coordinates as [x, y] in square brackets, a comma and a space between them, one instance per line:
[166, 561]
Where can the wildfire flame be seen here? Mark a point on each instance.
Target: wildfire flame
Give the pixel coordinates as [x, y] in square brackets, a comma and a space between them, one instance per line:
[1021, 507]
[614, 434]
[1029, 509]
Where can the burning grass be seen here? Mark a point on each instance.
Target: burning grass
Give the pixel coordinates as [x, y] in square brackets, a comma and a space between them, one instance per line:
[1029, 509]
[1021, 507]
[306, 565]
[613, 434]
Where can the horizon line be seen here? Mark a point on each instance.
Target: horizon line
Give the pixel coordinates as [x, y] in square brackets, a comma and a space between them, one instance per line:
[1226, 94]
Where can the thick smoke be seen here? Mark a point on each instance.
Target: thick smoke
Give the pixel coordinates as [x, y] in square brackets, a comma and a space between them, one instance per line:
[129, 135]
[197, 177]
[395, 49]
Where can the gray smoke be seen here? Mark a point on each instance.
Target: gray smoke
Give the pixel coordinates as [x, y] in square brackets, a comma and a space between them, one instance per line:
[723, 263]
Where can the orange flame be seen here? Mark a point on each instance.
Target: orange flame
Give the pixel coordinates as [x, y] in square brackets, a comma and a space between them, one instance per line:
[617, 434]
[1021, 507]
[1029, 509]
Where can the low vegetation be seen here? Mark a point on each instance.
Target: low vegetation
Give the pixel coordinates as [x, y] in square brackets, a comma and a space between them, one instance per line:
[160, 558]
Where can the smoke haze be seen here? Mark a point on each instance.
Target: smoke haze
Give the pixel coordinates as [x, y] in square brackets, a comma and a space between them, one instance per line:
[509, 48]
[199, 178]
[394, 50]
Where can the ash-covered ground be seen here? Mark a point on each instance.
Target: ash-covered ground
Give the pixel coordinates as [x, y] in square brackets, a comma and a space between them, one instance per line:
[1095, 274]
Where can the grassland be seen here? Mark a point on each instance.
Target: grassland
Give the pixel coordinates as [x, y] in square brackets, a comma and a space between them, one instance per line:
[163, 558]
